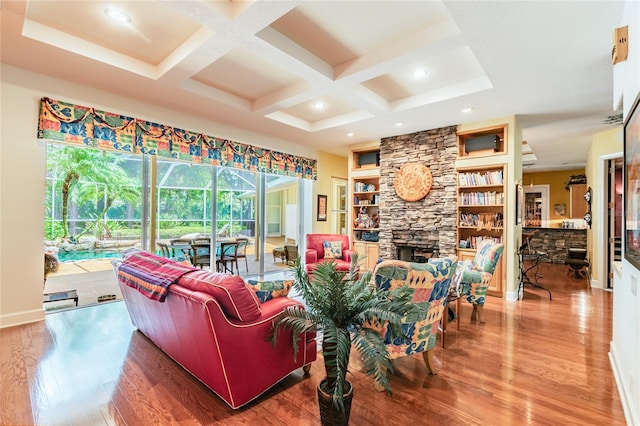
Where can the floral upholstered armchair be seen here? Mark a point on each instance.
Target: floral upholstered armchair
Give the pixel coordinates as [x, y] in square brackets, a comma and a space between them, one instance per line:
[431, 284]
[474, 276]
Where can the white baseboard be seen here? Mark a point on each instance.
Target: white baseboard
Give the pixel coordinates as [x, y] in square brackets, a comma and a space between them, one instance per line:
[630, 415]
[19, 318]
[512, 296]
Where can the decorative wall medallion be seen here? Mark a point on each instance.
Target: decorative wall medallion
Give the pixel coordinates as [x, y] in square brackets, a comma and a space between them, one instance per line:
[413, 181]
[587, 195]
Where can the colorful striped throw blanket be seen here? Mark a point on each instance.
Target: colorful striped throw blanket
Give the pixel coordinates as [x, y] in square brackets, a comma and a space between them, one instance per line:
[150, 274]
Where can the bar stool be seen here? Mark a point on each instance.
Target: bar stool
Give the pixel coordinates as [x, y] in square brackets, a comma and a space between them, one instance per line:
[577, 262]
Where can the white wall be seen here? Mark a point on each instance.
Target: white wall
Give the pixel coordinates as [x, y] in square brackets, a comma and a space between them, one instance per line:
[22, 175]
[625, 346]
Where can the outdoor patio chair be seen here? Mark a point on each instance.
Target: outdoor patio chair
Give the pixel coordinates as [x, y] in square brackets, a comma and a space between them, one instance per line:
[201, 254]
[227, 257]
[223, 232]
[241, 252]
[179, 244]
[291, 254]
[164, 249]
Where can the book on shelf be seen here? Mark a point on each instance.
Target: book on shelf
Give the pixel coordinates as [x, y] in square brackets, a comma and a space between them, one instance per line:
[480, 178]
[473, 241]
[363, 187]
[481, 198]
[486, 221]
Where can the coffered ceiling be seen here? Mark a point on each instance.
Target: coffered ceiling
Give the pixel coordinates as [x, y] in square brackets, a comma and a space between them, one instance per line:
[333, 73]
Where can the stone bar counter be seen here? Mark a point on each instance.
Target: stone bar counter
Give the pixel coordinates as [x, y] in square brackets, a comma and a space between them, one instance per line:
[556, 241]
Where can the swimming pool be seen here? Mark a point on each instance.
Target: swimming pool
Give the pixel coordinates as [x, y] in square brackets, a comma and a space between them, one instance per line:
[66, 256]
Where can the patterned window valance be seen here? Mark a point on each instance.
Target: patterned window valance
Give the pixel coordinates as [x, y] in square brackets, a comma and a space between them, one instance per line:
[79, 125]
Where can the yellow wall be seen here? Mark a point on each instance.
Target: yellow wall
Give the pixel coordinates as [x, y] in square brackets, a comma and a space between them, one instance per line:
[557, 182]
[329, 166]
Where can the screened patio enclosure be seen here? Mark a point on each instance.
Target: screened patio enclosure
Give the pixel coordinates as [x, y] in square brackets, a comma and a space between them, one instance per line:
[179, 196]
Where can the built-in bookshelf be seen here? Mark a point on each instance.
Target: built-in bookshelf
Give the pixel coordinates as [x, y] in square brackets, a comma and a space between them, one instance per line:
[364, 179]
[481, 210]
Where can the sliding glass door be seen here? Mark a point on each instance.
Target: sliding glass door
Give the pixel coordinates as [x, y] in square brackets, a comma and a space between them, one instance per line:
[183, 201]
[100, 203]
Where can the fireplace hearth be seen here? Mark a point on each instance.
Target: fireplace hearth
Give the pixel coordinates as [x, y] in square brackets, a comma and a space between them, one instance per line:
[416, 254]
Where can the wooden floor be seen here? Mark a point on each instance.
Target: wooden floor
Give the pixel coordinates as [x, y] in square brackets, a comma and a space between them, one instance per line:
[534, 362]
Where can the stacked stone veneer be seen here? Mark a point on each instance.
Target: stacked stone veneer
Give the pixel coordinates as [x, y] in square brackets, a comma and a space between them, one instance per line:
[428, 222]
[555, 242]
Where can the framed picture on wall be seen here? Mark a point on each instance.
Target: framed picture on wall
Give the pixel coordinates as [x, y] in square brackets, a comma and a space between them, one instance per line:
[632, 185]
[322, 208]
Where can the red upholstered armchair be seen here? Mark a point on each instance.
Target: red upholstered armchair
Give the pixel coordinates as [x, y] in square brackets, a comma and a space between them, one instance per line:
[315, 251]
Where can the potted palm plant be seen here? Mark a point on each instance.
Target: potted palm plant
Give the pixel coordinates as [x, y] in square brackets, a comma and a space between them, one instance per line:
[346, 309]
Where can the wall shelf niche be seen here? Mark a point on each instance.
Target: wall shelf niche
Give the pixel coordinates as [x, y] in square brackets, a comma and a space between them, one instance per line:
[482, 142]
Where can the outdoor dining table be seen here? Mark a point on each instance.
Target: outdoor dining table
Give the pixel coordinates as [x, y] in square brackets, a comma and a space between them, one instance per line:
[180, 248]
[186, 249]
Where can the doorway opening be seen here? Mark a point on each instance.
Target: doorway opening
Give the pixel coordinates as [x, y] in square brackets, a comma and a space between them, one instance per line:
[536, 206]
[614, 208]
[339, 207]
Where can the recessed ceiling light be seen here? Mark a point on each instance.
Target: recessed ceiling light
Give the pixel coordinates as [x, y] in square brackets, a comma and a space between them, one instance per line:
[399, 124]
[318, 105]
[466, 109]
[419, 73]
[350, 134]
[117, 15]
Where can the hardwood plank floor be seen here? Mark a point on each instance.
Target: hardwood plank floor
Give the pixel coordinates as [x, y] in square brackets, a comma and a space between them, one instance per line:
[534, 362]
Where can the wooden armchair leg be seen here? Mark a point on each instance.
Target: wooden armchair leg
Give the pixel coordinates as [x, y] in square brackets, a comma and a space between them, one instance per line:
[481, 314]
[478, 312]
[443, 325]
[445, 319]
[430, 361]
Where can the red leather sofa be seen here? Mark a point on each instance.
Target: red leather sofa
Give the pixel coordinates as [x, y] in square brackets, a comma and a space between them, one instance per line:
[215, 327]
[314, 252]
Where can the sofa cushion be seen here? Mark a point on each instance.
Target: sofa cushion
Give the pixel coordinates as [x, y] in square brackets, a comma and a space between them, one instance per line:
[332, 249]
[267, 290]
[232, 293]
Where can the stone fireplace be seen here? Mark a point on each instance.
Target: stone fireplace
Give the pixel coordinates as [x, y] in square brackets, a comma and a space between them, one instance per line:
[430, 223]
